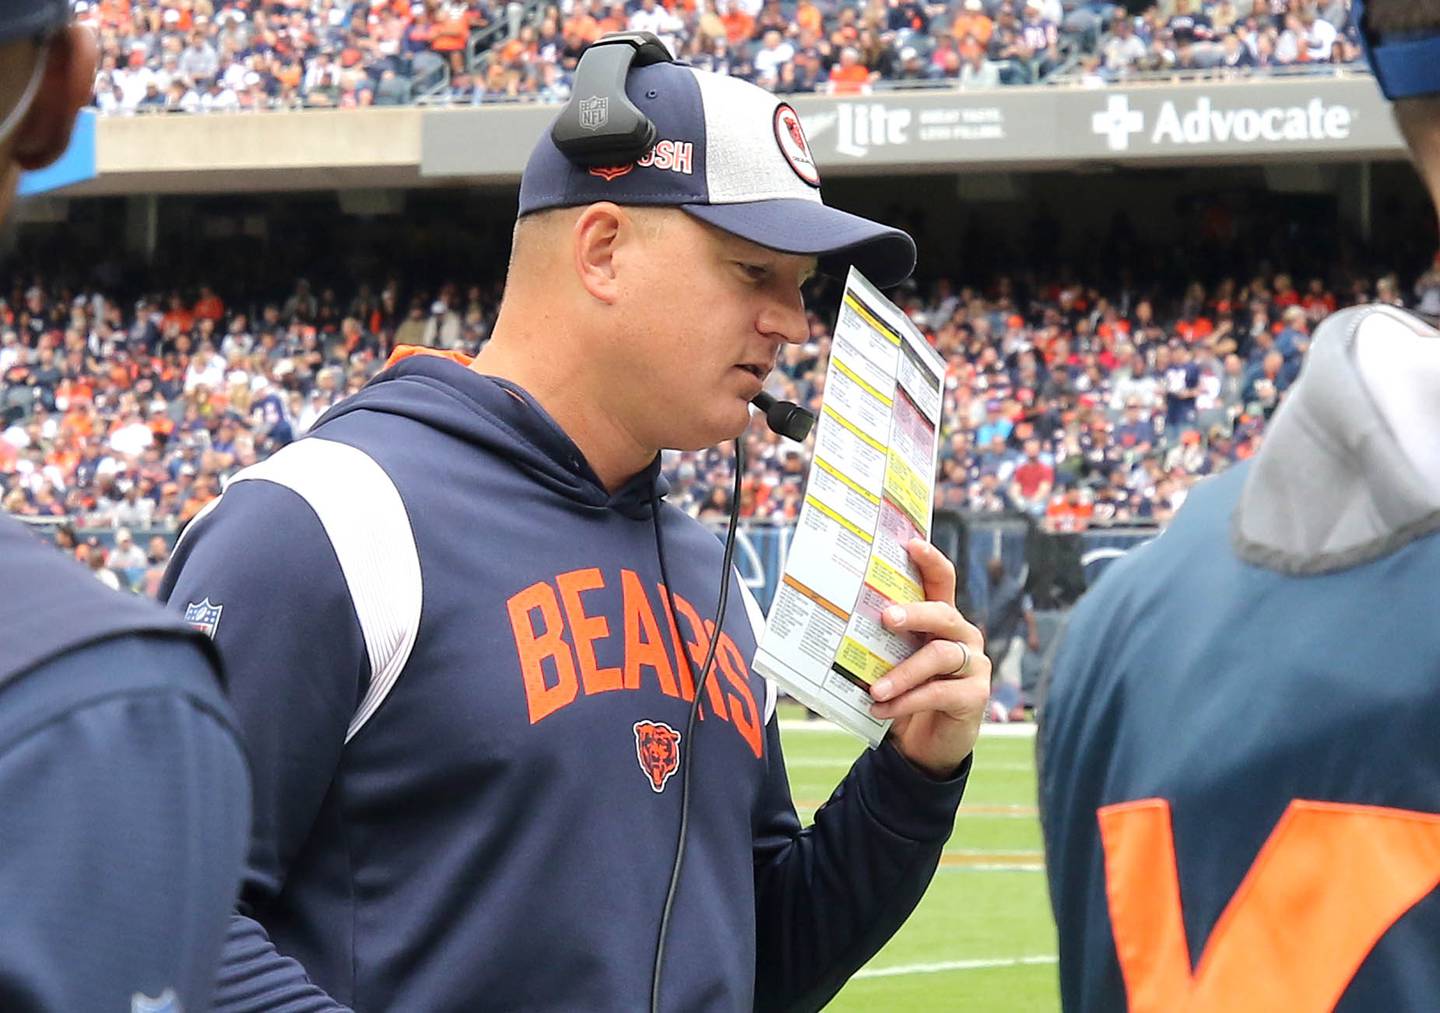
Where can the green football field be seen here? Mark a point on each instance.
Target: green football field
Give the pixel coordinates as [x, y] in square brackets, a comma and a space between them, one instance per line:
[982, 939]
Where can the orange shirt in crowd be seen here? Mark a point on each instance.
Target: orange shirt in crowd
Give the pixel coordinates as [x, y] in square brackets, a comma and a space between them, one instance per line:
[75, 390]
[739, 26]
[1195, 330]
[181, 317]
[513, 52]
[849, 80]
[192, 506]
[63, 460]
[1109, 330]
[1068, 518]
[114, 13]
[289, 75]
[582, 26]
[452, 30]
[122, 374]
[809, 18]
[977, 26]
[210, 308]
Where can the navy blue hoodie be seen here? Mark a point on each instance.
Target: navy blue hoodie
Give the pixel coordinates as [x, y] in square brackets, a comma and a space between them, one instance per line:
[457, 674]
[123, 790]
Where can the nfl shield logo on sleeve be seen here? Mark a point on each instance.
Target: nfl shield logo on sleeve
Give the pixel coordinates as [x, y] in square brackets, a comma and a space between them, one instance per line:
[594, 112]
[204, 616]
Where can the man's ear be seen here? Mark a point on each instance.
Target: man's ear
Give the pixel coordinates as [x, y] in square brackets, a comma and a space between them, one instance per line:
[66, 85]
[596, 238]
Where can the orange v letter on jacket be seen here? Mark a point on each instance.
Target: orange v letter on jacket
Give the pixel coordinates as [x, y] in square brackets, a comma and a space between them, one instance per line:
[1327, 884]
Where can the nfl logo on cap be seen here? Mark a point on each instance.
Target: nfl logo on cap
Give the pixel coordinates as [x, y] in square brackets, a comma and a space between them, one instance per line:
[594, 112]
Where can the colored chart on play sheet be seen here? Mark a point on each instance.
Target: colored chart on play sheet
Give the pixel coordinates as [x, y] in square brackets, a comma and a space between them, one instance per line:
[869, 492]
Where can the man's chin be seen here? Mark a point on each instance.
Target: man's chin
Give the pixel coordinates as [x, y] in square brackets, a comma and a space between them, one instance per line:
[721, 430]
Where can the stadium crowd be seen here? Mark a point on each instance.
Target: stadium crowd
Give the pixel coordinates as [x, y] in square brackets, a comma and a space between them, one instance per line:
[220, 55]
[1070, 405]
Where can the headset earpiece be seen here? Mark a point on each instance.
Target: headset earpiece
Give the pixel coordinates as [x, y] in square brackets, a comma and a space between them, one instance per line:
[600, 126]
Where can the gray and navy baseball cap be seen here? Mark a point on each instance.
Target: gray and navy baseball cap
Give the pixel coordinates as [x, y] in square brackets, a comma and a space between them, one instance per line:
[31, 18]
[732, 155]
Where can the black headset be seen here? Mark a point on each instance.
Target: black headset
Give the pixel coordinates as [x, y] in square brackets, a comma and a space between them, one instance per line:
[601, 127]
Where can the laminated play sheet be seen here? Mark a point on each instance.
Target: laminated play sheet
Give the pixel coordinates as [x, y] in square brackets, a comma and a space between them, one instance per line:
[869, 492]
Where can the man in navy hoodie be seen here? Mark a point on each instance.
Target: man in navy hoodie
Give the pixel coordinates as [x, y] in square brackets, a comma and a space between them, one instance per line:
[458, 613]
[1239, 773]
[123, 785]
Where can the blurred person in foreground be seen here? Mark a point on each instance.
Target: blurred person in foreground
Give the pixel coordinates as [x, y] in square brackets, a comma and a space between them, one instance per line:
[464, 629]
[122, 781]
[1239, 777]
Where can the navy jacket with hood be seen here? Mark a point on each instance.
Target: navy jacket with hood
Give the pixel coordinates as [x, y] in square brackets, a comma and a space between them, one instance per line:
[456, 670]
[123, 789]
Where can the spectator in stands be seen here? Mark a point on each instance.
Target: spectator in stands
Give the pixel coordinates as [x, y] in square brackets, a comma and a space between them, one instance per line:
[1032, 480]
[95, 556]
[978, 73]
[1319, 36]
[442, 329]
[1006, 607]
[1427, 295]
[849, 76]
[199, 61]
[988, 495]
[156, 411]
[774, 53]
[652, 17]
[1266, 384]
[973, 25]
[157, 556]
[1123, 49]
[1070, 511]
[1293, 341]
[1182, 388]
[1188, 26]
[126, 555]
[1040, 39]
[1387, 290]
[324, 55]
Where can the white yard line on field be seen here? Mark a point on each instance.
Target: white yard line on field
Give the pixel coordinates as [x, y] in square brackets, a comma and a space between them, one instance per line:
[1018, 730]
[802, 762]
[954, 965]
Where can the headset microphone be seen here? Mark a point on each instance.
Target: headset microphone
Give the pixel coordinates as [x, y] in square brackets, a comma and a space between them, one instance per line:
[785, 418]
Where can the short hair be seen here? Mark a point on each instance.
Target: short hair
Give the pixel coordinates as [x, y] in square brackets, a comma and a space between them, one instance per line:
[1400, 16]
[537, 226]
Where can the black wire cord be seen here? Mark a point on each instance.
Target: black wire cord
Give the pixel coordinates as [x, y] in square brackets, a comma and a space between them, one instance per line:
[699, 683]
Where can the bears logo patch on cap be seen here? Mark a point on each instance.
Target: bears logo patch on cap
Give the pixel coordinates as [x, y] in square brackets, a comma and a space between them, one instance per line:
[791, 138]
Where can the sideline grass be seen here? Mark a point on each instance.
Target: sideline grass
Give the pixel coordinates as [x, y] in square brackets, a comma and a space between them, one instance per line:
[982, 939]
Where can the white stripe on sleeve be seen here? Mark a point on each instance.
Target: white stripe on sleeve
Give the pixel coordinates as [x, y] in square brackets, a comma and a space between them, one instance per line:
[365, 519]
